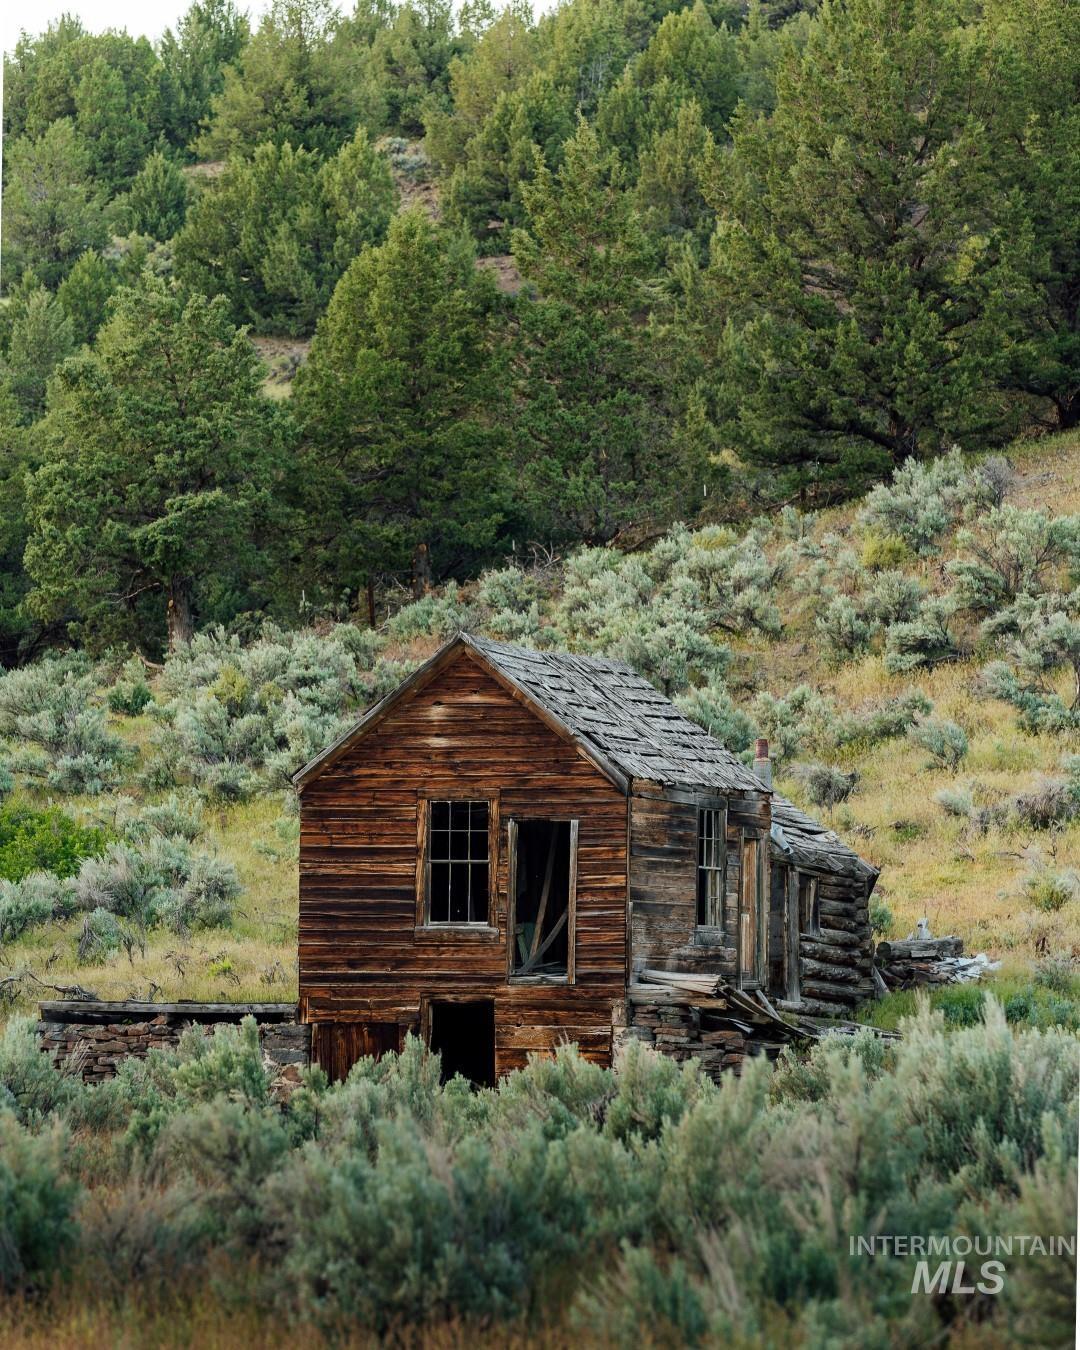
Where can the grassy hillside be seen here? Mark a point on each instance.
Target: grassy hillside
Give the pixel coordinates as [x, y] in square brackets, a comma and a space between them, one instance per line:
[997, 874]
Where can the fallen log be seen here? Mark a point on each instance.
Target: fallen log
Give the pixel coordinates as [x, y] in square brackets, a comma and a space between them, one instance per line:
[919, 949]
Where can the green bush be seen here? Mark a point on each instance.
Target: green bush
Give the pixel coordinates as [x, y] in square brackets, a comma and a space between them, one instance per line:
[44, 841]
[37, 1199]
[131, 694]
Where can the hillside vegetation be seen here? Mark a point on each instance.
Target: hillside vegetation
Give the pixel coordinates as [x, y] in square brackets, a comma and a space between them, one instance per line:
[550, 280]
[913, 660]
[180, 1204]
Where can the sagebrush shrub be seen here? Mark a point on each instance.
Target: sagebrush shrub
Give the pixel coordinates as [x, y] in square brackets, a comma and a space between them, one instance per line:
[712, 707]
[844, 627]
[31, 901]
[923, 500]
[881, 721]
[1051, 888]
[37, 1200]
[826, 785]
[799, 720]
[945, 742]
[50, 708]
[927, 640]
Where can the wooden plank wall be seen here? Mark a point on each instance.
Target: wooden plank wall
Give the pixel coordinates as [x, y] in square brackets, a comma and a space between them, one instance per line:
[663, 880]
[362, 958]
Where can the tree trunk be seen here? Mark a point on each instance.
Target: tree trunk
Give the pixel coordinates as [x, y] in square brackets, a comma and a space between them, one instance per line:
[180, 623]
[421, 571]
[1068, 411]
[371, 602]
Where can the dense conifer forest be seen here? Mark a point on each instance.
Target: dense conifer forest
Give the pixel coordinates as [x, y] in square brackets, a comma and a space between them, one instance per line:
[542, 281]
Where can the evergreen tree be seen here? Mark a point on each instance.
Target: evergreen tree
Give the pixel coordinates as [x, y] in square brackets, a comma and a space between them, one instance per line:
[209, 37]
[865, 302]
[156, 203]
[592, 422]
[404, 468]
[275, 232]
[1039, 161]
[53, 210]
[85, 293]
[15, 459]
[292, 83]
[357, 198]
[159, 457]
[41, 337]
[111, 127]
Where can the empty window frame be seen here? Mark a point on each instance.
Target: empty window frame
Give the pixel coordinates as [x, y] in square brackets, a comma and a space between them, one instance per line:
[711, 866]
[809, 910]
[458, 862]
[543, 896]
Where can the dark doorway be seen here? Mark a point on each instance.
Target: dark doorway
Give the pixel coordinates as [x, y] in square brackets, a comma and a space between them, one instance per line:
[543, 866]
[464, 1035]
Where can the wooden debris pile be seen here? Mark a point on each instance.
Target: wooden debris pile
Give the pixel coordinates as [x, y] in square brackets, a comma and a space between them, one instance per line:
[687, 1015]
[917, 962]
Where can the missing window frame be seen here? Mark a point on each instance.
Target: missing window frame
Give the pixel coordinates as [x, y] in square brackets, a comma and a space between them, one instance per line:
[525, 974]
[809, 905]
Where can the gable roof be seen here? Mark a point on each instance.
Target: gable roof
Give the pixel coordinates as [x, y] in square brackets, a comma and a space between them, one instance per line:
[810, 844]
[628, 728]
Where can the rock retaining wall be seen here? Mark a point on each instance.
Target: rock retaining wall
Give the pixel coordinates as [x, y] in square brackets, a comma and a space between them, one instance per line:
[93, 1038]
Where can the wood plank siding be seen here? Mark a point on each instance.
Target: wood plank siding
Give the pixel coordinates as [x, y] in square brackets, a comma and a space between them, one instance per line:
[663, 878]
[366, 959]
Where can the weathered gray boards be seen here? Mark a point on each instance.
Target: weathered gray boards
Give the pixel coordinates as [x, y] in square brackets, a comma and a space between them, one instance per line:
[499, 849]
[93, 1037]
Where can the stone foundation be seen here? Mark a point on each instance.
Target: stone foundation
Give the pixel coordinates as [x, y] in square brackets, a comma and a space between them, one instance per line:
[93, 1038]
[686, 1032]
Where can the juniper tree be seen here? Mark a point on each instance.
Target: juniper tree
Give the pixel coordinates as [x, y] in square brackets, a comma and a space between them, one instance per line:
[403, 463]
[156, 202]
[41, 337]
[865, 296]
[593, 431]
[276, 231]
[210, 36]
[53, 210]
[159, 455]
[85, 293]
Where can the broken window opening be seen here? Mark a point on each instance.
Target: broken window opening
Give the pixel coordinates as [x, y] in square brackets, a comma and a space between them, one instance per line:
[809, 910]
[459, 861]
[543, 894]
[710, 875]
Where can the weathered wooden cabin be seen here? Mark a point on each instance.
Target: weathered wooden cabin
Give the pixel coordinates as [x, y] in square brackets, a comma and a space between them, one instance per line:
[518, 848]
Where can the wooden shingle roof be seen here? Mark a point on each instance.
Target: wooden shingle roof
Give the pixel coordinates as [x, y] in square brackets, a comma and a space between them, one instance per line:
[812, 845]
[607, 706]
[618, 719]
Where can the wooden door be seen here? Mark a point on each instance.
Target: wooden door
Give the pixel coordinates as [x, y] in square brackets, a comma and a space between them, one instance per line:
[752, 918]
[336, 1046]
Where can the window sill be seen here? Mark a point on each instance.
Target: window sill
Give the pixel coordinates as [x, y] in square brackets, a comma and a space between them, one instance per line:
[539, 979]
[455, 932]
[709, 937]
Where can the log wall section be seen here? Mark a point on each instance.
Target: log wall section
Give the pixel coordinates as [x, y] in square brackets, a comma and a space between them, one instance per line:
[364, 960]
[835, 963]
